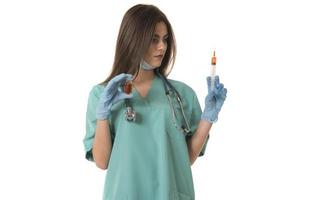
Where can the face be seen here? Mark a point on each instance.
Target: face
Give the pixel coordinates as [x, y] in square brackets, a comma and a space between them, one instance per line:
[158, 45]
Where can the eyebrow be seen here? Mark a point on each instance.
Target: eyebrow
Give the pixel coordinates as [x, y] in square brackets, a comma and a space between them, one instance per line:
[156, 35]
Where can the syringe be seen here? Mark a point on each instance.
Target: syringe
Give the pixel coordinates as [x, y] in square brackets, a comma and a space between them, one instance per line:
[213, 63]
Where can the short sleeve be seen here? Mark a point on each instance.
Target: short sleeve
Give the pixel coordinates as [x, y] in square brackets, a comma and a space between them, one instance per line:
[91, 120]
[195, 119]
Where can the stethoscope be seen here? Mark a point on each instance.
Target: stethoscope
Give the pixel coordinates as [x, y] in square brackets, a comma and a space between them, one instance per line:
[130, 114]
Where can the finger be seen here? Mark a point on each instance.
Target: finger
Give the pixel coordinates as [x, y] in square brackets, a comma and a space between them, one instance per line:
[121, 78]
[125, 96]
[118, 77]
[129, 96]
[111, 86]
[216, 92]
[224, 92]
[117, 82]
[216, 81]
[220, 86]
[128, 77]
[121, 89]
[219, 90]
[208, 79]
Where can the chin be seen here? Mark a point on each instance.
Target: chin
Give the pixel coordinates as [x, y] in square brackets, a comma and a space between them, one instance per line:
[156, 64]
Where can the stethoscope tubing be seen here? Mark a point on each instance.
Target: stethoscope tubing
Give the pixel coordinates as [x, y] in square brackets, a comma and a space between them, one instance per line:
[169, 90]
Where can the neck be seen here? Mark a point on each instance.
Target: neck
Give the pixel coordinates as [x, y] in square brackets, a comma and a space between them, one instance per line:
[144, 76]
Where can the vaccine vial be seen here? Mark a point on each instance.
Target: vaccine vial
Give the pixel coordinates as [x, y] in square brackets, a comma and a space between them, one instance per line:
[128, 87]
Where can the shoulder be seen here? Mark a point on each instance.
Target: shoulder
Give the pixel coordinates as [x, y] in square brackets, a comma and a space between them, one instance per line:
[187, 93]
[182, 87]
[96, 91]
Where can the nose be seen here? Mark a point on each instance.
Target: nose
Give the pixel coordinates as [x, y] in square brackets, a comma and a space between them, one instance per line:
[161, 45]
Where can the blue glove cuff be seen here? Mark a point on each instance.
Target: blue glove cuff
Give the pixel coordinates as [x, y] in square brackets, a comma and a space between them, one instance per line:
[104, 115]
[210, 119]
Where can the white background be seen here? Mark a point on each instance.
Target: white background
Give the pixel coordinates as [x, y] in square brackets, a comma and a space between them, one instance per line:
[264, 145]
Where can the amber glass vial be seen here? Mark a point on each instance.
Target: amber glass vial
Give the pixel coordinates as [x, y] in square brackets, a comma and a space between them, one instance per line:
[128, 87]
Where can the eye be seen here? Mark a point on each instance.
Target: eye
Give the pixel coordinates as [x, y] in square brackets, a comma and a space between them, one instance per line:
[155, 40]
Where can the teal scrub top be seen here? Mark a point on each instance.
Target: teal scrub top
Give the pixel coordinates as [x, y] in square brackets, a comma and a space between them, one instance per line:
[149, 157]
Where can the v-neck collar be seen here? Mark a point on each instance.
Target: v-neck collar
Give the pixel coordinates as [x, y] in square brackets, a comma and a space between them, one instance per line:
[152, 84]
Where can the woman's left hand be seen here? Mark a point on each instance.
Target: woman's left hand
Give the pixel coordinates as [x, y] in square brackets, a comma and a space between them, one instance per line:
[214, 100]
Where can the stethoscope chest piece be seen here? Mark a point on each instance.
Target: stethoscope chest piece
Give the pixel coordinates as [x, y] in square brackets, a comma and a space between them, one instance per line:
[130, 114]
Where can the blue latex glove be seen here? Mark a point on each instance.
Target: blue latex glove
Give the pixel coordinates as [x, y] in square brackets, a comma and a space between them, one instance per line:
[214, 100]
[111, 94]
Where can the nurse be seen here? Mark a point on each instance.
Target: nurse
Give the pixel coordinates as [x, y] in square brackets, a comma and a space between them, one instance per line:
[149, 158]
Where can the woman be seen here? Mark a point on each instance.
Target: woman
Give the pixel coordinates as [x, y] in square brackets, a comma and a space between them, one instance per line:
[149, 157]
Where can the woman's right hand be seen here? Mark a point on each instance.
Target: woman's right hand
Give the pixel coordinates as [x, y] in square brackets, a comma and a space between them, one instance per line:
[111, 94]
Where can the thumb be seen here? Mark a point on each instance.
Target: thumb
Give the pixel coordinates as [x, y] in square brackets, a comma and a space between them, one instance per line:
[123, 95]
[128, 96]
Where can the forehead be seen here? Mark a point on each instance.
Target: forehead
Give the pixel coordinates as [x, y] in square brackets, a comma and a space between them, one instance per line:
[161, 29]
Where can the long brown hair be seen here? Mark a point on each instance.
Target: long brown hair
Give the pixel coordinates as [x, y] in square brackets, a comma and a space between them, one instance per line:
[134, 38]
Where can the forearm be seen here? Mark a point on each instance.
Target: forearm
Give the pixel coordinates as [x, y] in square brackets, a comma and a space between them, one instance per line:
[102, 144]
[196, 142]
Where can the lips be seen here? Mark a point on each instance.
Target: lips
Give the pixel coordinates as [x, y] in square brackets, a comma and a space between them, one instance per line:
[159, 56]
